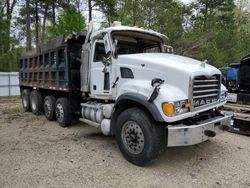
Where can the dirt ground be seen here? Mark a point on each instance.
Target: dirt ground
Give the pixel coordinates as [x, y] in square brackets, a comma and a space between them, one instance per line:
[37, 153]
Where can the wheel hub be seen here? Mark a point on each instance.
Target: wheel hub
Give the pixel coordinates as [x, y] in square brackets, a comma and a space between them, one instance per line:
[133, 137]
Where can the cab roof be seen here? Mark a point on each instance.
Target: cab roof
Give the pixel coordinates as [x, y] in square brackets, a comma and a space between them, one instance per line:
[125, 28]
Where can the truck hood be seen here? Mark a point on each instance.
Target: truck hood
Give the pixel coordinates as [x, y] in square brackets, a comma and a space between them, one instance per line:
[170, 61]
[174, 69]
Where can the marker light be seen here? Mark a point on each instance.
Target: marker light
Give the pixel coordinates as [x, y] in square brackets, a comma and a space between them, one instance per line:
[188, 105]
[168, 109]
[116, 23]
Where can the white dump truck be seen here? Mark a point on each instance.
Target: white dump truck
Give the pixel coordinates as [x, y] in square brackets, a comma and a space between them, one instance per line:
[127, 83]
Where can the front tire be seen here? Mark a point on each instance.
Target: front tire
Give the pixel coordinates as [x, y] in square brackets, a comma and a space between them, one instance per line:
[26, 100]
[139, 137]
[49, 107]
[36, 102]
[63, 112]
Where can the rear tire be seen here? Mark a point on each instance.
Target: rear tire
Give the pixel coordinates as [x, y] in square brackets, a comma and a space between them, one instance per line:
[36, 102]
[49, 107]
[139, 137]
[26, 99]
[63, 112]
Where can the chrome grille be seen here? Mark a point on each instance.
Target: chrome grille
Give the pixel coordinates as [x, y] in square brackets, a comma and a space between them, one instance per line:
[205, 90]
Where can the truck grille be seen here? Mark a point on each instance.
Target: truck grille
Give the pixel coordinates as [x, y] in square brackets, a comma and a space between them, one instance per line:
[205, 90]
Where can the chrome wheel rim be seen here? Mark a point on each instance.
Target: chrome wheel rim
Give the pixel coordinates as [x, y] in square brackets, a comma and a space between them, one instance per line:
[59, 112]
[133, 137]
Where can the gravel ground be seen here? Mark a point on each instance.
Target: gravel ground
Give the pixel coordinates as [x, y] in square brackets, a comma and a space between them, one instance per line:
[37, 153]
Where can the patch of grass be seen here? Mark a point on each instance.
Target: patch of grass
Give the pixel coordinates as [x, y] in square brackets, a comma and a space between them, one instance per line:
[14, 110]
[15, 99]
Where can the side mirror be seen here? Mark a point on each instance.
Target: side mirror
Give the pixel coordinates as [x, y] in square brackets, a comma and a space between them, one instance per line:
[107, 45]
[115, 48]
[168, 49]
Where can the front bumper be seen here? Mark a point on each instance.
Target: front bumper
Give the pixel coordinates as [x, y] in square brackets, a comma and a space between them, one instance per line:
[183, 135]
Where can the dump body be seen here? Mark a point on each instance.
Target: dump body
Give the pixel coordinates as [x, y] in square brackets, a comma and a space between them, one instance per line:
[55, 67]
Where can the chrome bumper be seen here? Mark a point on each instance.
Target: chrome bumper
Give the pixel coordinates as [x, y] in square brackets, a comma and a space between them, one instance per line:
[183, 135]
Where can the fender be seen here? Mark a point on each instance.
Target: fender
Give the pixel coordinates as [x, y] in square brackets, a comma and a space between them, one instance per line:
[137, 98]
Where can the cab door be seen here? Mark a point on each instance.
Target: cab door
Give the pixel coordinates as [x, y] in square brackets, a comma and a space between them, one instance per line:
[100, 79]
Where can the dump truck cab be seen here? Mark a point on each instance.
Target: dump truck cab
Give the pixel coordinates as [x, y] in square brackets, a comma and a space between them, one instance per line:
[131, 68]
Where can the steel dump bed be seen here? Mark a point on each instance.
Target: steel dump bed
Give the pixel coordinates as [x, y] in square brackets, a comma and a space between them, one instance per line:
[55, 65]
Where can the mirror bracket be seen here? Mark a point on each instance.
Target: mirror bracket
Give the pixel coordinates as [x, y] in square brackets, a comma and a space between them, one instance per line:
[106, 62]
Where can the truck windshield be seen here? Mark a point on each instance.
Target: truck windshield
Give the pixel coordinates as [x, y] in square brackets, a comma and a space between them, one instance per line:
[131, 42]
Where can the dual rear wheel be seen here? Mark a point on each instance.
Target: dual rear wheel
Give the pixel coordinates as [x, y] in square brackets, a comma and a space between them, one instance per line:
[36, 102]
[49, 107]
[57, 109]
[26, 99]
[63, 112]
[53, 108]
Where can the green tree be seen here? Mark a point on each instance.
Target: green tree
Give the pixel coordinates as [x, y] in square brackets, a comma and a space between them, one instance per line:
[130, 12]
[242, 19]
[167, 17]
[160, 15]
[108, 8]
[7, 41]
[70, 20]
[212, 32]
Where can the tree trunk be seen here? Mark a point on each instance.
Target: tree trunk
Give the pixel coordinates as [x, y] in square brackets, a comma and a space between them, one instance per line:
[28, 30]
[9, 11]
[53, 12]
[44, 22]
[37, 24]
[79, 14]
[90, 10]
[7, 45]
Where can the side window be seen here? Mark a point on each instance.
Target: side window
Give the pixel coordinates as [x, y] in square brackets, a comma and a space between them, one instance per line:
[99, 52]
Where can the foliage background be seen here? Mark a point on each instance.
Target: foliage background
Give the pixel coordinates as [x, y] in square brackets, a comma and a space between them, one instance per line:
[216, 30]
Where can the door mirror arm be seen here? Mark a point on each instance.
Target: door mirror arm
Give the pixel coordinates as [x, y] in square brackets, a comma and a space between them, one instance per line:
[106, 61]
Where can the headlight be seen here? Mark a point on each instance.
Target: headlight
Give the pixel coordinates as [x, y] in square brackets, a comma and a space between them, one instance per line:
[223, 96]
[175, 108]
